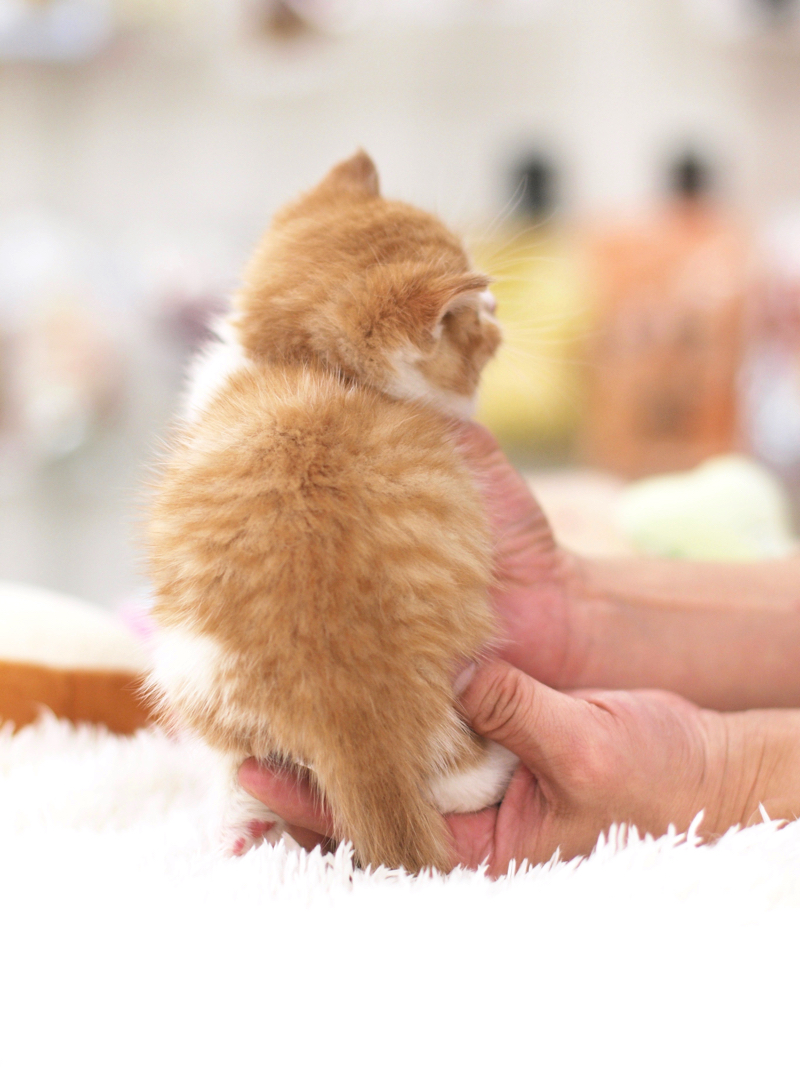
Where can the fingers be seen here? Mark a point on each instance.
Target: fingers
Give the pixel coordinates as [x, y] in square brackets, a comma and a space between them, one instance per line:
[309, 840]
[515, 517]
[291, 797]
[502, 486]
[634, 699]
[477, 443]
[543, 727]
[473, 836]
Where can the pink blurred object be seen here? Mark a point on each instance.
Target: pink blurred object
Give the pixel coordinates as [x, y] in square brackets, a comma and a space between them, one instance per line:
[136, 614]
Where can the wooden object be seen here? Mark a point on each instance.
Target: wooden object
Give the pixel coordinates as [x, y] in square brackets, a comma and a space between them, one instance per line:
[73, 658]
[111, 698]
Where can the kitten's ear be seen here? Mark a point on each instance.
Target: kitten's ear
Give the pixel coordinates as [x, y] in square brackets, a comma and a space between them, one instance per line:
[456, 292]
[358, 173]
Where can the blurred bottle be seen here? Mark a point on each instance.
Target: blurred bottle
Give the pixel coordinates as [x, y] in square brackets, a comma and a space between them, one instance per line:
[530, 394]
[667, 335]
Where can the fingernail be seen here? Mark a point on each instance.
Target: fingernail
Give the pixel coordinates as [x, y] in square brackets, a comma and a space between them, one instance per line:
[464, 678]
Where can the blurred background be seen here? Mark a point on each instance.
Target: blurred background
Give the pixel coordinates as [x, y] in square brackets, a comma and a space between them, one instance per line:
[629, 173]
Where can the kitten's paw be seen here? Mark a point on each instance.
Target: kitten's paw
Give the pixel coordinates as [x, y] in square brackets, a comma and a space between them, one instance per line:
[478, 785]
[241, 837]
[247, 822]
[243, 821]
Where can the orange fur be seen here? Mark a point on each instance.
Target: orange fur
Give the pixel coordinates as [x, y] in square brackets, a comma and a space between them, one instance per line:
[317, 526]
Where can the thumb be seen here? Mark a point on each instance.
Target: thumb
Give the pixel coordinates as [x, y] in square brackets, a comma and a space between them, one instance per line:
[540, 725]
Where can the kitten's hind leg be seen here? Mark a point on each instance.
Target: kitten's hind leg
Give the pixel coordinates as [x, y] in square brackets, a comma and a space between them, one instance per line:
[245, 822]
[478, 782]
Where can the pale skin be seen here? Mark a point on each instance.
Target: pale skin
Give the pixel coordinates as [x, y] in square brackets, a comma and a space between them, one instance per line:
[585, 693]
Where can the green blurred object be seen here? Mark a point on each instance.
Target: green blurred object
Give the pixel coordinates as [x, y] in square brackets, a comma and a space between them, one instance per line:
[728, 508]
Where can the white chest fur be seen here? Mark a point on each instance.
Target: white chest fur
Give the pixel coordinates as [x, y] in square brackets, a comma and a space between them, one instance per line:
[212, 370]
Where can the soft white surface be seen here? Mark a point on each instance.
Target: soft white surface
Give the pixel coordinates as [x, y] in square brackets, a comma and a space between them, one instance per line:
[127, 940]
[39, 626]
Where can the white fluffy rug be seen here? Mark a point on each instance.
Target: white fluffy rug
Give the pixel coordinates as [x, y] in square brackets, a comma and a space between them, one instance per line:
[126, 940]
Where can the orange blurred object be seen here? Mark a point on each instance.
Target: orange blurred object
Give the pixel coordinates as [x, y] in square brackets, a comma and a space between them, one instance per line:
[64, 655]
[667, 341]
[111, 698]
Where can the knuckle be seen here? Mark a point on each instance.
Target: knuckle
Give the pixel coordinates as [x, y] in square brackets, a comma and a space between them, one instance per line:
[498, 695]
[592, 771]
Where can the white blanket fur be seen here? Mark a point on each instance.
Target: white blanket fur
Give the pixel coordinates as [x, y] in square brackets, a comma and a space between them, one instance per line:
[128, 940]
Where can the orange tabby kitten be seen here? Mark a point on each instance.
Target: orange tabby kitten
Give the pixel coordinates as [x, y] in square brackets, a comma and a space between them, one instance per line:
[318, 549]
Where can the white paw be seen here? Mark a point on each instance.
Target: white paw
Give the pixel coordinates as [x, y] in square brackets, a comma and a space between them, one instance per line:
[245, 821]
[239, 837]
[477, 787]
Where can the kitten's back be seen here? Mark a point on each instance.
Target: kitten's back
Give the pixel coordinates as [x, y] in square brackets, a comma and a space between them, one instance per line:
[326, 546]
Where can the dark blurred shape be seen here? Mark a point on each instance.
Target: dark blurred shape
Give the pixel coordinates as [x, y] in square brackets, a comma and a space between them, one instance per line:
[280, 19]
[690, 177]
[778, 9]
[536, 179]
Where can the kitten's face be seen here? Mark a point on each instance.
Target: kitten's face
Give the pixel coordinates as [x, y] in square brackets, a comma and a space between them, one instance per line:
[376, 289]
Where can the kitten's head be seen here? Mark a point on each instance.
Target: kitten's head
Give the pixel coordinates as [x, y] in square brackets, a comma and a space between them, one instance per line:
[378, 291]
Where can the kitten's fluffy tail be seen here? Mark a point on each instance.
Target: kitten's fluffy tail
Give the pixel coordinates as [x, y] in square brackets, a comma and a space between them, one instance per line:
[382, 805]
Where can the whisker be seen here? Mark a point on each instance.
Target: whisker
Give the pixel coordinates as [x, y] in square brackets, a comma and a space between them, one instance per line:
[510, 207]
[544, 370]
[518, 234]
[566, 357]
[548, 380]
[555, 328]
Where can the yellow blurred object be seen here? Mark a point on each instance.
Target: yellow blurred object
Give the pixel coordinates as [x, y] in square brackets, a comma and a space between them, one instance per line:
[530, 394]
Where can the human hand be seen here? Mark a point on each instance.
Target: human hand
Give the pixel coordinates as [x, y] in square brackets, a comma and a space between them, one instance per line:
[588, 760]
[536, 582]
